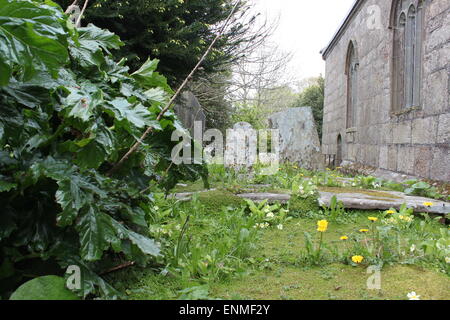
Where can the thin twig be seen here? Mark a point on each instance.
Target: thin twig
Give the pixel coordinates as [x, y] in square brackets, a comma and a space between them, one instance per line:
[70, 7]
[77, 24]
[122, 266]
[177, 93]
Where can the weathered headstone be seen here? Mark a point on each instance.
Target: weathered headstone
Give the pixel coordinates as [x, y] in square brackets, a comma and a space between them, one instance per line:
[189, 110]
[241, 146]
[299, 140]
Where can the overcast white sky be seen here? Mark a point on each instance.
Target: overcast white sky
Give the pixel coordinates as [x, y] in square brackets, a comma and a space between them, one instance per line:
[305, 27]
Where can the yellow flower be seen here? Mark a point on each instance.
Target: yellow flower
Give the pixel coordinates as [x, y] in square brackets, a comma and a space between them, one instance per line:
[344, 238]
[357, 259]
[364, 230]
[428, 204]
[390, 211]
[373, 219]
[322, 225]
[402, 217]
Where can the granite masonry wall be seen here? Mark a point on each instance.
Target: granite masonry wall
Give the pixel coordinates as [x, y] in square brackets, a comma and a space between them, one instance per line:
[414, 143]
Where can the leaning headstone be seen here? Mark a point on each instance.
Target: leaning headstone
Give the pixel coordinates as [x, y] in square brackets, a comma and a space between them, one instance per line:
[241, 147]
[299, 140]
[189, 110]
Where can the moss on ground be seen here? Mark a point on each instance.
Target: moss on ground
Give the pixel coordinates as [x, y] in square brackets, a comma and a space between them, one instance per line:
[217, 199]
[378, 194]
[301, 206]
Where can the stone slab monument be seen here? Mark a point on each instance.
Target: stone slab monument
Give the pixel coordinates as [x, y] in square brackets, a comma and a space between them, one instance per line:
[299, 140]
[189, 110]
[241, 147]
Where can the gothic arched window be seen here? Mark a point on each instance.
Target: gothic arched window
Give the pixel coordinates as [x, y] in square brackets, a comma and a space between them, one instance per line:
[351, 70]
[407, 22]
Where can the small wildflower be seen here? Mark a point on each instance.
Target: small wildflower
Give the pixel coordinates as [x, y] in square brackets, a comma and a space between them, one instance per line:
[357, 259]
[413, 296]
[270, 215]
[364, 230]
[280, 227]
[322, 225]
[390, 212]
[428, 204]
[373, 219]
[343, 238]
[447, 259]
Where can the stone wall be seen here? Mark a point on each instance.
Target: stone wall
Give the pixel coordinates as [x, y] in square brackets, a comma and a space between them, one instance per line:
[415, 143]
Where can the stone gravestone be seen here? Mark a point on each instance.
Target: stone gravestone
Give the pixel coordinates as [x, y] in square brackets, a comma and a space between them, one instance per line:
[299, 140]
[189, 110]
[241, 147]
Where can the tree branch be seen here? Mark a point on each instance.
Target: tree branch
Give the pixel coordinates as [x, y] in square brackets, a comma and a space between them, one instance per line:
[175, 96]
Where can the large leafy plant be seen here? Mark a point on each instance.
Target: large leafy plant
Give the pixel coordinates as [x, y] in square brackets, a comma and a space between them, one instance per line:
[68, 112]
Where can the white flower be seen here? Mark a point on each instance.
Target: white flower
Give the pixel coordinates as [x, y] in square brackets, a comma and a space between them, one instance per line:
[447, 259]
[156, 208]
[353, 184]
[280, 227]
[413, 296]
[302, 191]
[270, 215]
[413, 248]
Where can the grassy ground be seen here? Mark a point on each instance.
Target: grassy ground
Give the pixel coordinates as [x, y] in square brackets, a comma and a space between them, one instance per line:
[274, 269]
[274, 273]
[281, 278]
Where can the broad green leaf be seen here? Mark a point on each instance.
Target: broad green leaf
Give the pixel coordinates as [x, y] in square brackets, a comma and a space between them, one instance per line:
[6, 186]
[97, 38]
[91, 156]
[148, 78]
[97, 234]
[156, 95]
[82, 103]
[138, 115]
[146, 70]
[44, 288]
[74, 193]
[91, 41]
[32, 36]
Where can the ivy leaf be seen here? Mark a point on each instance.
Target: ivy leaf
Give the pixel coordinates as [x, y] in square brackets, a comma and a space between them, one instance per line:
[37, 36]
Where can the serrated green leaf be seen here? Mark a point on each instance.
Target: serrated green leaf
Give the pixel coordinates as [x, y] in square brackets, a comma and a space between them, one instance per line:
[97, 234]
[82, 104]
[36, 33]
[138, 116]
[148, 78]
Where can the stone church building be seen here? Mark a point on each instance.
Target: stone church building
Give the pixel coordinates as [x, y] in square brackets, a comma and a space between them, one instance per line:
[387, 89]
